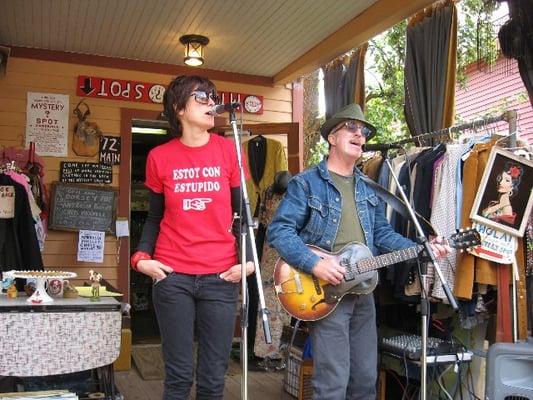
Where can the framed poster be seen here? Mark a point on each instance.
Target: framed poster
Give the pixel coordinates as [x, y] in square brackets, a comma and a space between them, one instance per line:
[504, 197]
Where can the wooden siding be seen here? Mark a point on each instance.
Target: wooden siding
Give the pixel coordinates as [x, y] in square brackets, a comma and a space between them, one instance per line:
[494, 91]
[30, 75]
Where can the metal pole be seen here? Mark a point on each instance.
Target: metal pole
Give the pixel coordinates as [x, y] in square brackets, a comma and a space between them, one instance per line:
[247, 233]
[244, 320]
[511, 118]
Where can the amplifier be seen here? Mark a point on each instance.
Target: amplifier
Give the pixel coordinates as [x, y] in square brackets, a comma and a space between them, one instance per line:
[510, 371]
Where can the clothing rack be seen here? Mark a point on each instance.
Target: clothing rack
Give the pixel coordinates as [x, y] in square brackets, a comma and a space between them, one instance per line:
[509, 116]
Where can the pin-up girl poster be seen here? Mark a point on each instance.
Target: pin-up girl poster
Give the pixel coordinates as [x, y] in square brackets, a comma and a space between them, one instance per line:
[504, 198]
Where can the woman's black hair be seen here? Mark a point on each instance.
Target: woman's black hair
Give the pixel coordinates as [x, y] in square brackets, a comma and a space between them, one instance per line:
[516, 172]
[177, 95]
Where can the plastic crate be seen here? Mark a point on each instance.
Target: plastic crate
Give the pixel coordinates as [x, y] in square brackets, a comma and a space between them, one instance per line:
[297, 380]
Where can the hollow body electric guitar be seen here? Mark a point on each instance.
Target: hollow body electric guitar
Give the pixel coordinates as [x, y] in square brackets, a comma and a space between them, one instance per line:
[309, 298]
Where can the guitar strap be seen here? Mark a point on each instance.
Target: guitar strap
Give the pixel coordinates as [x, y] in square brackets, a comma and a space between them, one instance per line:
[398, 205]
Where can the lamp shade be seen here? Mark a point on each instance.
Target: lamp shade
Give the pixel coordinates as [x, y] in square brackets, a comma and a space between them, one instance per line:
[194, 49]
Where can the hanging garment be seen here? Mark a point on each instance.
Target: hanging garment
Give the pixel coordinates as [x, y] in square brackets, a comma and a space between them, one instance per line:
[396, 164]
[19, 248]
[35, 210]
[471, 269]
[424, 178]
[528, 247]
[277, 317]
[33, 165]
[443, 211]
[372, 166]
[265, 158]
[401, 224]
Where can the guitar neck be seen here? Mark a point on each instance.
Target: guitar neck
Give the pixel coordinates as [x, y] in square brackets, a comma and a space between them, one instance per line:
[384, 260]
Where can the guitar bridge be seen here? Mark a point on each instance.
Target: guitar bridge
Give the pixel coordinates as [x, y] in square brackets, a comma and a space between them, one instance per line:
[297, 282]
[346, 264]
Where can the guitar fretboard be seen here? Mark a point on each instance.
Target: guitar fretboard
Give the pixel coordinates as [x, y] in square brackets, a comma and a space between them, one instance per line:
[373, 263]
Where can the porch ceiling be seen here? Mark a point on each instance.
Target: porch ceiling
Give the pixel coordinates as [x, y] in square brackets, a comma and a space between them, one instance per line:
[278, 39]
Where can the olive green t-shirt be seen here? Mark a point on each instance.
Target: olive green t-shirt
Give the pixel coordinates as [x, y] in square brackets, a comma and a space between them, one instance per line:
[350, 229]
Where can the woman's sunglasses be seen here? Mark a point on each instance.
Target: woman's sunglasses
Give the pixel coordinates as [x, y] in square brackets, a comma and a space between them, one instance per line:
[203, 97]
[353, 127]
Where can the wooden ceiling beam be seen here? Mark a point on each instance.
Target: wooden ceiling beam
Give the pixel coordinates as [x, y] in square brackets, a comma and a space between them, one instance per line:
[379, 17]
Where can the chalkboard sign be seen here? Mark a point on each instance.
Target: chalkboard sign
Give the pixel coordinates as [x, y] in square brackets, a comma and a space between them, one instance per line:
[83, 172]
[75, 207]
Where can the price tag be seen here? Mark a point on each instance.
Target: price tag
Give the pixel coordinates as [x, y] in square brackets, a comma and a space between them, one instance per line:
[7, 202]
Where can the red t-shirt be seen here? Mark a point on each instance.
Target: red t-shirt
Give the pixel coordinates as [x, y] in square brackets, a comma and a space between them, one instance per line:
[195, 232]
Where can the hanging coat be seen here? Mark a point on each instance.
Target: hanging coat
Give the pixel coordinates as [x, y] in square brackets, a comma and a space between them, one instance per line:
[19, 247]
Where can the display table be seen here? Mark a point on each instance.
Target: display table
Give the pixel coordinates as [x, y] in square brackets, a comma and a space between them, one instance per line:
[68, 335]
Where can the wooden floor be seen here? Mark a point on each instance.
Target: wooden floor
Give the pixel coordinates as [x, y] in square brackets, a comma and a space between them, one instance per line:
[261, 385]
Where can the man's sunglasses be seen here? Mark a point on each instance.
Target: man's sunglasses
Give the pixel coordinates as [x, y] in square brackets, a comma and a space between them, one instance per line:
[353, 127]
[203, 97]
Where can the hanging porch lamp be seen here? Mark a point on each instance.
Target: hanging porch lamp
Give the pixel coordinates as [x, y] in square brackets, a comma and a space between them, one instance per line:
[194, 49]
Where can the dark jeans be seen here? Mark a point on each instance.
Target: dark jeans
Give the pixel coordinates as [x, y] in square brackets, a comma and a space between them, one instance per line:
[201, 304]
[345, 351]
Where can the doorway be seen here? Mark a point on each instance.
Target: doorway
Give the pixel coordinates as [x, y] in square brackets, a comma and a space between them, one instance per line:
[145, 135]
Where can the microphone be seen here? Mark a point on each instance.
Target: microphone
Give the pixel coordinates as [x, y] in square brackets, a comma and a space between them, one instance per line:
[222, 108]
[381, 146]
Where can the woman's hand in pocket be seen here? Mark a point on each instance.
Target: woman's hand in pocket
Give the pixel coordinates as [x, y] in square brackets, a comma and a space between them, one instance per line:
[154, 269]
[234, 273]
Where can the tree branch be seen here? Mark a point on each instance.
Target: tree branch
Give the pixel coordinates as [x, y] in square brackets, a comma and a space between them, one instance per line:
[379, 94]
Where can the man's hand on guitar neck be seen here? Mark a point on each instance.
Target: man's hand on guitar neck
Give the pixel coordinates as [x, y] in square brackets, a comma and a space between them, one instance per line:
[329, 270]
[439, 247]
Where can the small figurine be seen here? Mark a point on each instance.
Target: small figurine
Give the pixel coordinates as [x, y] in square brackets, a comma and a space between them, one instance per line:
[8, 284]
[30, 286]
[95, 279]
[37, 298]
[69, 292]
[11, 288]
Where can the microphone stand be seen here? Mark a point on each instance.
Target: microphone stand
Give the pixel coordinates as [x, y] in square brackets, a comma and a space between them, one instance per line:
[424, 302]
[247, 233]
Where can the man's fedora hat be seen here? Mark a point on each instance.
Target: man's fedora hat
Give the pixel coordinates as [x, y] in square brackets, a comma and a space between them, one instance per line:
[351, 111]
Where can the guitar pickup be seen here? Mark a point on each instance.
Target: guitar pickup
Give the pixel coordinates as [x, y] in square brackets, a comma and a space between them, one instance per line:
[298, 283]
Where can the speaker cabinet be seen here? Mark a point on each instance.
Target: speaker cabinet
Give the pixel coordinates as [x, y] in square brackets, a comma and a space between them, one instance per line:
[510, 371]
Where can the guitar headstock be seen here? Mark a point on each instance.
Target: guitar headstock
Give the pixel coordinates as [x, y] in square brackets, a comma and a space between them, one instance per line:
[465, 238]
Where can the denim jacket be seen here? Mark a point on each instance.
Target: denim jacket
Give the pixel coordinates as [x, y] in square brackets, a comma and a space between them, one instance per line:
[310, 213]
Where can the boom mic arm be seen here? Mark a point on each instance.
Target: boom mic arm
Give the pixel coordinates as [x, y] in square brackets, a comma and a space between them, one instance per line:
[222, 108]
[380, 147]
